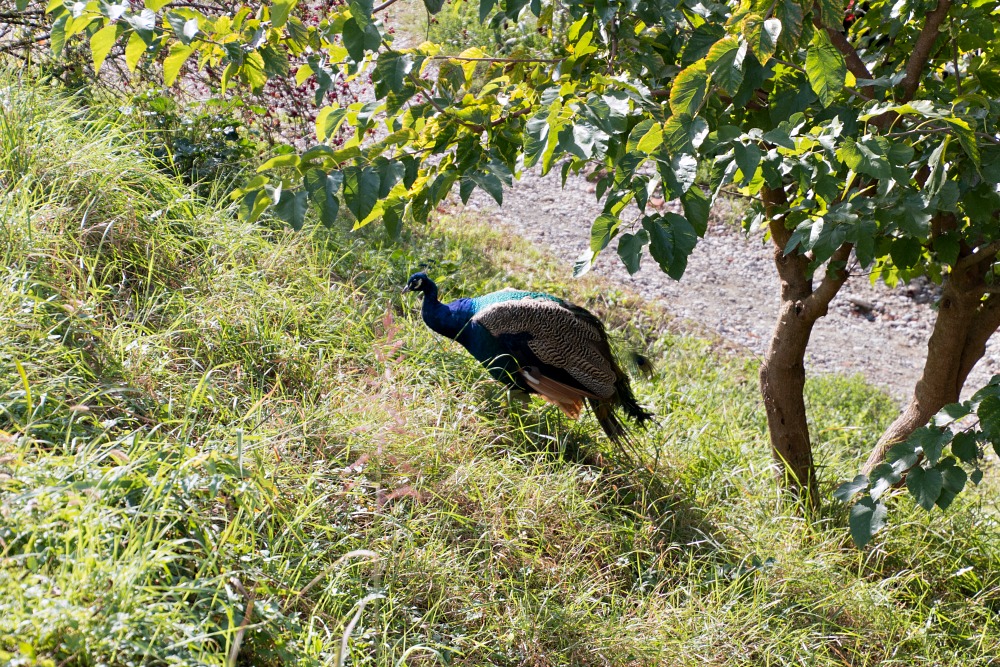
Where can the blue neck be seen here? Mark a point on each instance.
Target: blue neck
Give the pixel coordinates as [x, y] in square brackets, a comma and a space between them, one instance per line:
[447, 319]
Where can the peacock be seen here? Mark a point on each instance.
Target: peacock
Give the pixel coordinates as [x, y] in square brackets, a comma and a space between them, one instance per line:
[539, 344]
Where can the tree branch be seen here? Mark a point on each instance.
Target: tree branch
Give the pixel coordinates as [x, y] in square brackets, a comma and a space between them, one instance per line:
[384, 5]
[818, 303]
[854, 62]
[795, 284]
[922, 49]
[980, 254]
[7, 48]
[984, 324]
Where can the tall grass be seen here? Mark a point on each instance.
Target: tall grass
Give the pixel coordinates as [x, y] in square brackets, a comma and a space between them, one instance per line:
[223, 443]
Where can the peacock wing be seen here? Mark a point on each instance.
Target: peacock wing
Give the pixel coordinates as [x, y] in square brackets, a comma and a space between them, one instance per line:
[550, 337]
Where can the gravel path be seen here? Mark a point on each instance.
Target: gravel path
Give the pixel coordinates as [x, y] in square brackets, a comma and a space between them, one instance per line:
[731, 288]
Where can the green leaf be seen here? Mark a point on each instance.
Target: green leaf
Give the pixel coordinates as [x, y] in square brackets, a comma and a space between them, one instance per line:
[790, 13]
[651, 140]
[848, 490]
[696, 209]
[725, 62]
[485, 7]
[832, 12]
[924, 486]
[328, 121]
[604, 229]
[684, 133]
[905, 252]
[966, 137]
[762, 35]
[965, 446]
[826, 68]
[883, 477]
[101, 43]
[491, 184]
[323, 188]
[630, 249]
[280, 10]
[361, 186]
[867, 518]
[358, 40]
[57, 35]
[173, 62]
[134, 50]
[747, 159]
[932, 441]
[278, 161]
[953, 478]
[689, 89]
[433, 6]
[392, 216]
[947, 247]
[671, 240]
[685, 168]
[291, 208]
[361, 11]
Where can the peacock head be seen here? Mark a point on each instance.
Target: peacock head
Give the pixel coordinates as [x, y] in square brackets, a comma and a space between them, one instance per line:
[420, 282]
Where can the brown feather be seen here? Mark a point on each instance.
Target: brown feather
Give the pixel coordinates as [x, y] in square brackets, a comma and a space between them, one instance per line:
[568, 399]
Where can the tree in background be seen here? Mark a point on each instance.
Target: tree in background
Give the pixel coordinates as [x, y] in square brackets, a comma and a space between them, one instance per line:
[864, 136]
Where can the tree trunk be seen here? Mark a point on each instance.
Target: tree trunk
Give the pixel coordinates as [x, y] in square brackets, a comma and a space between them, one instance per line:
[782, 382]
[963, 325]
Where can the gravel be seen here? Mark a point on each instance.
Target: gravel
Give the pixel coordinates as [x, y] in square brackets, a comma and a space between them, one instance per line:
[731, 288]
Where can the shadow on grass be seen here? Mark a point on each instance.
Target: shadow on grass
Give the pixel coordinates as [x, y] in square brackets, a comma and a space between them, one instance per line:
[636, 485]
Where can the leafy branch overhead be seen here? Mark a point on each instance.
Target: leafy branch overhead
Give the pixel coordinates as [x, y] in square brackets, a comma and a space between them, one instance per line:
[762, 94]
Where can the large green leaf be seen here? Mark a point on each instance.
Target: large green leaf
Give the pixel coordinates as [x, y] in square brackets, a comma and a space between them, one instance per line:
[924, 485]
[762, 35]
[832, 12]
[826, 68]
[932, 441]
[696, 209]
[630, 249]
[279, 12]
[323, 188]
[604, 229]
[291, 208]
[684, 133]
[689, 89]
[671, 240]
[101, 43]
[791, 15]
[361, 186]
[358, 40]
[867, 518]
[725, 62]
[172, 63]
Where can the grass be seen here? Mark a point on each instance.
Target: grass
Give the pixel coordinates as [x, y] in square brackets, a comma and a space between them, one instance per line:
[226, 443]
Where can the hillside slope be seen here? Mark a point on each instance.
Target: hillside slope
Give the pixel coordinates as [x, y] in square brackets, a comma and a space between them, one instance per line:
[222, 441]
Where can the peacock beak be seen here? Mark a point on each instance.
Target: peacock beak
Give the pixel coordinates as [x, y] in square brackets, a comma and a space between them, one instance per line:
[406, 289]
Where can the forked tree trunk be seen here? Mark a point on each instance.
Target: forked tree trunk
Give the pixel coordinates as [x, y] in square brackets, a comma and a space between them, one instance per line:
[964, 324]
[783, 374]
